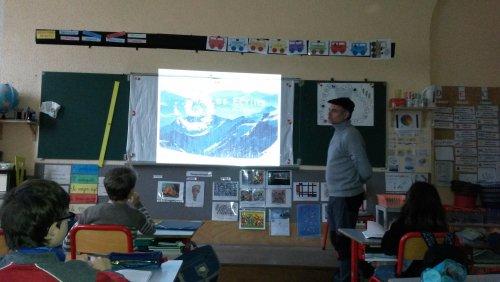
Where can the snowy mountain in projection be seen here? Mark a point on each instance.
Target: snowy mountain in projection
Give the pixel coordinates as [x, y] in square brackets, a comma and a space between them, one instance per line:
[227, 124]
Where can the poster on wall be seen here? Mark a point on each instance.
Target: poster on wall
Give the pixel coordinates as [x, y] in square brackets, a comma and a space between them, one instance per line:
[170, 191]
[195, 193]
[362, 94]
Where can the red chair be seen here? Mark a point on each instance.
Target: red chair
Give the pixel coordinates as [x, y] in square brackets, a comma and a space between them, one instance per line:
[100, 239]
[411, 247]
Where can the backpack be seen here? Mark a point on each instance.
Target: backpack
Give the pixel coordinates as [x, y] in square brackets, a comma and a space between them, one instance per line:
[437, 253]
[199, 264]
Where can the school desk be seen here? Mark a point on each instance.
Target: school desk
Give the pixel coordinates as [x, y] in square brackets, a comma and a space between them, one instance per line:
[357, 252]
[168, 271]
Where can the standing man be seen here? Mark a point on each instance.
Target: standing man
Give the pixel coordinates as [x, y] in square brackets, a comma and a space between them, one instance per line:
[347, 169]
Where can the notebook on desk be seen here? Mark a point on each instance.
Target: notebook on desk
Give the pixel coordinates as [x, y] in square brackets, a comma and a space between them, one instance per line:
[187, 225]
[373, 230]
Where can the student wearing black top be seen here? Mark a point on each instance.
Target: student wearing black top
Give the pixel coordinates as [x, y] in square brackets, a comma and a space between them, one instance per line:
[422, 211]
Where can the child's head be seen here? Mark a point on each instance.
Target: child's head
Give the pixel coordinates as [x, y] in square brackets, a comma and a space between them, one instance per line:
[35, 214]
[423, 208]
[119, 182]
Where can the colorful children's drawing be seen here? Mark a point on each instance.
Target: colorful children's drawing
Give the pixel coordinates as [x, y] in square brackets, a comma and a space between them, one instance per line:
[237, 44]
[360, 49]
[252, 197]
[216, 43]
[225, 190]
[338, 48]
[297, 47]
[318, 48]
[252, 178]
[253, 219]
[308, 220]
[279, 197]
[225, 211]
[306, 191]
[278, 46]
[256, 45]
[169, 191]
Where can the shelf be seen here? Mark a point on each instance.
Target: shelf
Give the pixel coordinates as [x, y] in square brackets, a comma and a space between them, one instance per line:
[32, 124]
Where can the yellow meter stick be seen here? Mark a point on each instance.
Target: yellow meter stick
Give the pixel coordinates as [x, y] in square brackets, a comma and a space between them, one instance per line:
[108, 124]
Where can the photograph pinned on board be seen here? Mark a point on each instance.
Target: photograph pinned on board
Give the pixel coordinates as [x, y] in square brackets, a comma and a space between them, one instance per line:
[306, 191]
[325, 196]
[225, 211]
[169, 191]
[253, 178]
[195, 194]
[279, 222]
[308, 220]
[252, 219]
[225, 190]
[279, 179]
[406, 121]
[252, 197]
[279, 197]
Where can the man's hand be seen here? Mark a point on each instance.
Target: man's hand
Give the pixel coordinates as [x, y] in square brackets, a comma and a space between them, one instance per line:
[134, 199]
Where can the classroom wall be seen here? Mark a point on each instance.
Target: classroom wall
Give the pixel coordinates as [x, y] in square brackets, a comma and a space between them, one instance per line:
[465, 41]
[405, 22]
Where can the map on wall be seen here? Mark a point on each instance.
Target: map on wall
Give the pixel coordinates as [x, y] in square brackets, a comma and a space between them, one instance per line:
[360, 93]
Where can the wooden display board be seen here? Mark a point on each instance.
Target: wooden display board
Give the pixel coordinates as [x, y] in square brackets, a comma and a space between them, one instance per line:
[466, 136]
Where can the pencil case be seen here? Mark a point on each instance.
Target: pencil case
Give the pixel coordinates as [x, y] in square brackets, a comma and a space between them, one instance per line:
[136, 260]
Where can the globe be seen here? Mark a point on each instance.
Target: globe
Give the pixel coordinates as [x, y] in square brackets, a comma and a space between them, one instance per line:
[9, 98]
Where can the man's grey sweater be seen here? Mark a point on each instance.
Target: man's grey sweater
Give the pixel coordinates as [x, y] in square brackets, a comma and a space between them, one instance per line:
[347, 165]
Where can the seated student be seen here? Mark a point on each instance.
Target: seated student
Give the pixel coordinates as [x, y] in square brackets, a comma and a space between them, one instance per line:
[124, 206]
[34, 218]
[422, 211]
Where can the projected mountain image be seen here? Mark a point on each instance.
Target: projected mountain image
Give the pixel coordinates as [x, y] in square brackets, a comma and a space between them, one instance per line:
[226, 124]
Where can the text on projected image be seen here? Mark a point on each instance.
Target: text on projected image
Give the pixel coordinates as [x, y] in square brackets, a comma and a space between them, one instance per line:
[218, 118]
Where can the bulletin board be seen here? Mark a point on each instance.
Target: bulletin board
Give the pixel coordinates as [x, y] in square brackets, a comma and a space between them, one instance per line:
[466, 136]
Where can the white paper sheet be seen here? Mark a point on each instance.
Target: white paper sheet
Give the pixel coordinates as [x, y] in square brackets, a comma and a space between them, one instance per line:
[444, 153]
[58, 173]
[101, 190]
[195, 193]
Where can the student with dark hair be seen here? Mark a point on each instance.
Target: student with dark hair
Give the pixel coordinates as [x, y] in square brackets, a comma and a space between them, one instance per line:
[34, 218]
[124, 206]
[422, 211]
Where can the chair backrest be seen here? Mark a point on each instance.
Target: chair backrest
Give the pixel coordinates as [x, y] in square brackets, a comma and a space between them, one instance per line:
[412, 247]
[25, 272]
[100, 239]
[4, 249]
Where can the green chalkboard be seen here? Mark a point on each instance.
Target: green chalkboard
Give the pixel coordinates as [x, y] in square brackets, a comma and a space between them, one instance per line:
[78, 130]
[310, 141]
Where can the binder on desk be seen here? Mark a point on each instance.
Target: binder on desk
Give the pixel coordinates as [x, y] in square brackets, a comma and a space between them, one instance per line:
[186, 225]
